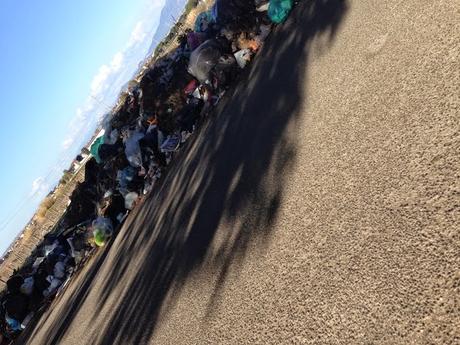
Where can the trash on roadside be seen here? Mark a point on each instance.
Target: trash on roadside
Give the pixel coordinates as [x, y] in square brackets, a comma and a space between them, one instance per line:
[278, 10]
[130, 200]
[262, 5]
[28, 286]
[191, 87]
[171, 143]
[102, 231]
[264, 31]
[203, 20]
[194, 39]
[176, 92]
[242, 57]
[125, 177]
[132, 148]
[54, 284]
[95, 148]
[203, 59]
[233, 12]
[248, 43]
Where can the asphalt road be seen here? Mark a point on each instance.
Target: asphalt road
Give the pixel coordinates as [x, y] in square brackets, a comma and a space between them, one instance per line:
[320, 206]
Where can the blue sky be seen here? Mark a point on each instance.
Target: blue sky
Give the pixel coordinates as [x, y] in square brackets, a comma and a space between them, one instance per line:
[61, 64]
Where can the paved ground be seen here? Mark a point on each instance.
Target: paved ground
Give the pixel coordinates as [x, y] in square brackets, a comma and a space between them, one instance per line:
[320, 207]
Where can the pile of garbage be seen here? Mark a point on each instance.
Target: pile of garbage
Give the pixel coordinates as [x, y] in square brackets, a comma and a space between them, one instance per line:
[45, 275]
[138, 142]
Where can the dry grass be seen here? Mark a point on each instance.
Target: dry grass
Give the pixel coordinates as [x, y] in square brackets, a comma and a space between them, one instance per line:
[191, 17]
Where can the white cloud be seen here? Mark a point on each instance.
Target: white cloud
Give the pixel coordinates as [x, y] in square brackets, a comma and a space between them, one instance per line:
[79, 114]
[98, 83]
[89, 105]
[76, 126]
[39, 185]
[68, 142]
[155, 5]
[79, 120]
[117, 62]
[138, 34]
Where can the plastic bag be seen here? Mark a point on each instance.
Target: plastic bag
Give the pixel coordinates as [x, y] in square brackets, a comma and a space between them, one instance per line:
[278, 10]
[203, 20]
[231, 11]
[242, 57]
[130, 200]
[224, 71]
[133, 150]
[14, 324]
[95, 148]
[54, 284]
[194, 39]
[203, 59]
[111, 137]
[102, 230]
[264, 31]
[172, 143]
[28, 286]
[103, 224]
[124, 178]
[59, 270]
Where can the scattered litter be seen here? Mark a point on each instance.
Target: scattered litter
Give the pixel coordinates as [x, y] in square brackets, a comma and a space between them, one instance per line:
[278, 10]
[203, 20]
[203, 59]
[102, 231]
[95, 148]
[130, 200]
[132, 148]
[171, 143]
[242, 57]
[160, 112]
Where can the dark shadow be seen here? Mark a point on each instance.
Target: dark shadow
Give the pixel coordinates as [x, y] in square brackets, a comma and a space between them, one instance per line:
[222, 191]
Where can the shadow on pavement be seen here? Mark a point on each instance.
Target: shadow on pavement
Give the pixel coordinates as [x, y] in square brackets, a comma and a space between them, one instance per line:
[231, 174]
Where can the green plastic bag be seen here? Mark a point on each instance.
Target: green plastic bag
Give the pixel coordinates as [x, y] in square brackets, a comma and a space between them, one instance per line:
[95, 148]
[99, 237]
[102, 231]
[278, 10]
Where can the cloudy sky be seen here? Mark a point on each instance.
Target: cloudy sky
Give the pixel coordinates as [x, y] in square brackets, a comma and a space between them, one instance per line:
[62, 65]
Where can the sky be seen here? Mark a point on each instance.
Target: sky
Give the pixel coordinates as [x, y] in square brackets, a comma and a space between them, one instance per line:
[62, 64]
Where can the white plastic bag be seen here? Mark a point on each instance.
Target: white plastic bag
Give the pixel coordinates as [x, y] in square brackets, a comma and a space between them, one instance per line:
[133, 150]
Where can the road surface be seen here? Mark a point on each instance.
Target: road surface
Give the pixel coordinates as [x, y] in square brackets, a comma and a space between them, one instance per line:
[320, 206]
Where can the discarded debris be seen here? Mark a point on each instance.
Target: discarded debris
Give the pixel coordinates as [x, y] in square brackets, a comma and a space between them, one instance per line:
[138, 141]
[278, 10]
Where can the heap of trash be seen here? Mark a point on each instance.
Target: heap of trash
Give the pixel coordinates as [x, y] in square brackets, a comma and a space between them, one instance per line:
[139, 141]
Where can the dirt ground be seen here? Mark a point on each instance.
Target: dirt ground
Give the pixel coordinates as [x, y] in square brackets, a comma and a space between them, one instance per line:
[320, 206]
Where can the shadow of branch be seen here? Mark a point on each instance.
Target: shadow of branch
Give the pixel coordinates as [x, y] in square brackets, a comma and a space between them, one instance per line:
[222, 192]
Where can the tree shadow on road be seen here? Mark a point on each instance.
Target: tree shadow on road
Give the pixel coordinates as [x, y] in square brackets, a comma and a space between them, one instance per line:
[222, 192]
